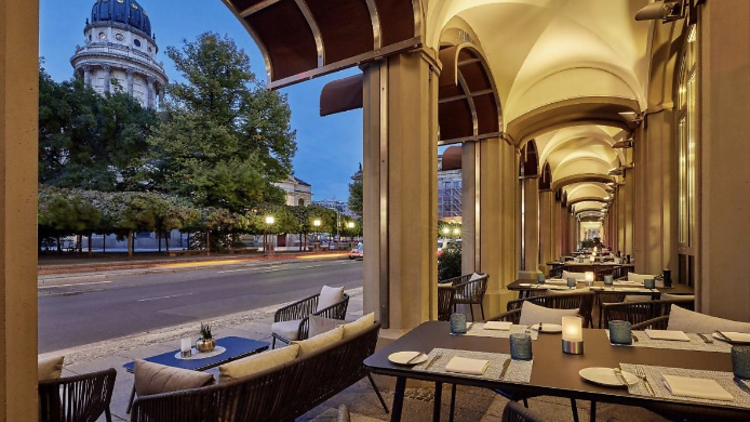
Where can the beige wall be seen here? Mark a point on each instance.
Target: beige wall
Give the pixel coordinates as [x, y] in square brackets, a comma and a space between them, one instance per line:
[19, 58]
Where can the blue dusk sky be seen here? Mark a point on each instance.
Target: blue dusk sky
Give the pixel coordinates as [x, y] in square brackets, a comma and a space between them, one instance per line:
[329, 149]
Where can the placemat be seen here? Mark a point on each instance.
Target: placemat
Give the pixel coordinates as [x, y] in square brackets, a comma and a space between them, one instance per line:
[696, 343]
[478, 330]
[195, 355]
[519, 370]
[740, 389]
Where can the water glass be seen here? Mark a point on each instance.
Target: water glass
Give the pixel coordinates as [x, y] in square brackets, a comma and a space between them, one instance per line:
[740, 361]
[571, 282]
[540, 278]
[649, 283]
[458, 324]
[609, 280]
[619, 332]
[520, 346]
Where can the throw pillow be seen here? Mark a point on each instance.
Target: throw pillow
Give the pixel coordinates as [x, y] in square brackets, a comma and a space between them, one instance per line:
[353, 328]
[50, 368]
[320, 325]
[257, 363]
[640, 277]
[681, 319]
[330, 296]
[153, 378]
[534, 314]
[309, 346]
[475, 276]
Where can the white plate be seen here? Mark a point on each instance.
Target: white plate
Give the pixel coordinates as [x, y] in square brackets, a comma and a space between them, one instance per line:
[401, 358]
[548, 328]
[525, 284]
[606, 376]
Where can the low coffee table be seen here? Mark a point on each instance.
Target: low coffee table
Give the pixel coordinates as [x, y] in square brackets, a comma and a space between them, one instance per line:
[236, 348]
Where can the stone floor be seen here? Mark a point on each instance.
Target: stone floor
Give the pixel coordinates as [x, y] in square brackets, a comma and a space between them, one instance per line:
[472, 404]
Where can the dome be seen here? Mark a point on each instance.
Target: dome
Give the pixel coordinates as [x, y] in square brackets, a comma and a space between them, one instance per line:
[127, 12]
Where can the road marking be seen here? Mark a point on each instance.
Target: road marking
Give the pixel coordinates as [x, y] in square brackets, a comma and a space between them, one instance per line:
[90, 283]
[164, 297]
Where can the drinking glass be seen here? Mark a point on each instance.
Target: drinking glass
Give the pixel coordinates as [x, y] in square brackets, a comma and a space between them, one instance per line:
[609, 280]
[571, 282]
[620, 332]
[740, 361]
[649, 283]
[458, 324]
[520, 346]
[540, 278]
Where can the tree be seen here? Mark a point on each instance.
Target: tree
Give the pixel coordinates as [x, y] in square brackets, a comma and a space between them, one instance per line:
[355, 194]
[226, 138]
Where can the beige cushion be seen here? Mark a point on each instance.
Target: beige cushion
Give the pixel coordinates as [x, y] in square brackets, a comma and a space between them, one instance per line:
[50, 368]
[353, 328]
[672, 296]
[637, 298]
[330, 296]
[475, 276]
[578, 276]
[287, 329]
[309, 346]
[320, 325]
[554, 292]
[257, 363]
[152, 378]
[640, 277]
[534, 314]
[681, 319]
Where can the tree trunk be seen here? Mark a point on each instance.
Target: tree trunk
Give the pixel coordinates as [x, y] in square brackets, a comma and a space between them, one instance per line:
[91, 253]
[59, 246]
[79, 241]
[208, 242]
[104, 243]
[166, 242]
[131, 244]
[188, 241]
[158, 236]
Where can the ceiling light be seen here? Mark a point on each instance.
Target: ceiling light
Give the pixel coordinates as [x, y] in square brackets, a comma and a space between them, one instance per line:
[667, 11]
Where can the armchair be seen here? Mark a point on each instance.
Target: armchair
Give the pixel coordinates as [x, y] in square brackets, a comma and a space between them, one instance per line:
[81, 398]
[292, 322]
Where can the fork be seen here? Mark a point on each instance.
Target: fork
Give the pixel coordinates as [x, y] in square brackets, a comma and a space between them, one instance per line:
[437, 356]
[638, 372]
[705, 338]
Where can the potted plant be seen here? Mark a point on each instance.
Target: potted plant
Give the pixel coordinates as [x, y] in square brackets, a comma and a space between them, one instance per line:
[206, 343]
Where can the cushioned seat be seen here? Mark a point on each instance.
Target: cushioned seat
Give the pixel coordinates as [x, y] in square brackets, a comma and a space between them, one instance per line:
[286, 329]
[534, 314]
[578, 276]
[681, 319]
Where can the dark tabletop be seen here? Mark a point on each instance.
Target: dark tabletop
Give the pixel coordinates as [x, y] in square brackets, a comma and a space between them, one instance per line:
[237, 347]
[554, 373]
[676, 289]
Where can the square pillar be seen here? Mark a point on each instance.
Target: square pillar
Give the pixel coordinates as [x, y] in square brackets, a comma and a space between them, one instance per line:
[400, 189]
[530, 227]
[546, 230]
[19, 102]
[470, 207]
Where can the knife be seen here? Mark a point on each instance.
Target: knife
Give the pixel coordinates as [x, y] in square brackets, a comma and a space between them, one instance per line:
[723, 337]
[506, 364]
[622, 379]
[705, 338]
[414, 358]
[434, 359]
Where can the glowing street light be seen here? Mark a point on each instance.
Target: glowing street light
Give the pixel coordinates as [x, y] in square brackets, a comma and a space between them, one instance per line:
[317, 222]
[456, 231]
[350, 224]
[270, 220]
[446, 231]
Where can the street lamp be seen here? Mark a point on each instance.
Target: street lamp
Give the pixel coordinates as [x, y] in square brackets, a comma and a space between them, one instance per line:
[269, 222]
[456, 231]
[317, 224]
[350, 224]
[446, 231]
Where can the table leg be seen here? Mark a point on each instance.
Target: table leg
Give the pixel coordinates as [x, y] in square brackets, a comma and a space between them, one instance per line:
[592, 417]
[437, 404]
[398, 399]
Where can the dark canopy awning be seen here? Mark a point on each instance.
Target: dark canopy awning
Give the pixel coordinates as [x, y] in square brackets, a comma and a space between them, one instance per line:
[341, 95]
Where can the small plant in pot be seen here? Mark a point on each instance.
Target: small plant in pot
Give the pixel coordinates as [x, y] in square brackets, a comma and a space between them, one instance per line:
[206, 343]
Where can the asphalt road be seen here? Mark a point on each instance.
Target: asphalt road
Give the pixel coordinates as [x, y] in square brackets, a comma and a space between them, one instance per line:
[96, 309]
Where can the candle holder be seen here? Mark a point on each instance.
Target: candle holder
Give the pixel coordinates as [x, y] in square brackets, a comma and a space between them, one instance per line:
[540, 278]
[589, 278]
[572, 335]
[186, 347]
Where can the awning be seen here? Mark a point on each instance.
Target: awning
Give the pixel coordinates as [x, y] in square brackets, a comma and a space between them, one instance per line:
[341, 95]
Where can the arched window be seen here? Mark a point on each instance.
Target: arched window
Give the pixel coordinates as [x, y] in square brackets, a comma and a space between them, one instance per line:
[301, 202]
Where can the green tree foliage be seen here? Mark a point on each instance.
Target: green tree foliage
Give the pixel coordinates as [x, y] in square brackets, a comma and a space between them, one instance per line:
[449, 263]
[355, 194]
[226, 138]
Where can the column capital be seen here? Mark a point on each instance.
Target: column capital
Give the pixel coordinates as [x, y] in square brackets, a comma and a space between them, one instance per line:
[107, 67]
[130, 71]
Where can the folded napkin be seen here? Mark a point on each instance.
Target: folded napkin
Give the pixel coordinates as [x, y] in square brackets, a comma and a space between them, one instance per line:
[699, 388]
[497, 325]
[667, 335]
[556, 281]
[468, 366]
[628, 283]
[736, 337]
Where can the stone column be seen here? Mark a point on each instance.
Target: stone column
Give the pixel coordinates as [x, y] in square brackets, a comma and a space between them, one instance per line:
[500, 221]
[724, 175]
[565, 229]
[107, 78]
[470, 207]
[151, 91]
[546, 229]
[400, 189]
[19, 85]
[628, 199]
[130, 74]
[557, 225]
[530, 227]
[87, 75]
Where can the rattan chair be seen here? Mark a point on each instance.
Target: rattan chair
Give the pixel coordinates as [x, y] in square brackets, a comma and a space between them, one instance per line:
[583, 301]
[638, 312]
[469, 292]
[445, 301]
[514, 412]
[302, 311]
[659, 323]
[81, 398]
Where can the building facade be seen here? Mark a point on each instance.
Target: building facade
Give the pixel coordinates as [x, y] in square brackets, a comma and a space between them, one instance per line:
[341, 207]
[297, 191]
[449, 189]
[119, 52]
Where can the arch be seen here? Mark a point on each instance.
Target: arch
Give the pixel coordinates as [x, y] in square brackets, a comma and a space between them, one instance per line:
[529, 164]
[545, 179]
[587, 199]
[580, 178]
[301, 202]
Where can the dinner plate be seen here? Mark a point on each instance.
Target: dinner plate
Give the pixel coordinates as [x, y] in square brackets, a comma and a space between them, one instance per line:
[606, 376]
[402, 358]
[548, 328]
[718, 337]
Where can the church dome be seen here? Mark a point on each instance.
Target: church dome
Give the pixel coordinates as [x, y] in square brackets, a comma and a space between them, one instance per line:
[127, 12]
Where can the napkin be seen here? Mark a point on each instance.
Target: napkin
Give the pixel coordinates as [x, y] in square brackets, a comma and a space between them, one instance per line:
[699, 388]
[736, 337]
[667, 335]
[497, 325]
[556, 281]
[467, 366]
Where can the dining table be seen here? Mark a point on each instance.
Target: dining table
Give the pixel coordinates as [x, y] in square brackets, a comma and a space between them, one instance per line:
[554, 373]
[526, 286]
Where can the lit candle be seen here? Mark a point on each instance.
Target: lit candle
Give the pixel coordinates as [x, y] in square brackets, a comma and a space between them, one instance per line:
[572, 329]
[186, 345]
[589, 278]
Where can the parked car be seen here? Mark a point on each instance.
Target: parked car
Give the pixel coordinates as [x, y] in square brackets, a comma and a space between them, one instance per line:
[358, 252]
[445, 244]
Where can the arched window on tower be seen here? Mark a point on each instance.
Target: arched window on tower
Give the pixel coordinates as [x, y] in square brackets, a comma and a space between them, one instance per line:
[301, 202]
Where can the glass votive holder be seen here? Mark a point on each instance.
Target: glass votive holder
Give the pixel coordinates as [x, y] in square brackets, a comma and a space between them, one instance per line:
[572, 282]
[186, 347]
[540, 278]
[458, 324]
[520, 346]
[609, 280]
[740, 361]
[649, 283]
[620, 332]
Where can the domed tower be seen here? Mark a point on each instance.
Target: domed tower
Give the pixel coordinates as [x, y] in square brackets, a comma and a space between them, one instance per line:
[120, 50]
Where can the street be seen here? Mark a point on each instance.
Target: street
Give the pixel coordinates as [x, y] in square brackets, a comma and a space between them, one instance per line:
[93, 309]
